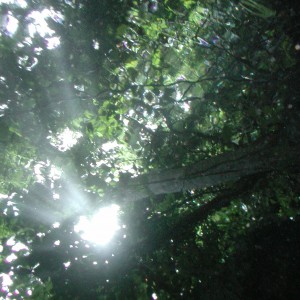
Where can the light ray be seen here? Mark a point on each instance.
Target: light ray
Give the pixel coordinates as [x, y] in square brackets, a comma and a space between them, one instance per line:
[101, 228]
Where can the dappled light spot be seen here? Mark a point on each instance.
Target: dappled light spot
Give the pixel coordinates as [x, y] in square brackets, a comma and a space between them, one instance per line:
[18, 247]
[53, 42]
[110, 146]
[11, 258]
[101, 227]
[56, 225]
[10, 241]
[154, 296]
[3, 107]
[39, 24]
[56, 243]
[40, 168]
[19, 3]
[65, 140]
[56, 196]
[96, 45]
[10, 24]
[6, 282]
[67, 264]
[185, 112]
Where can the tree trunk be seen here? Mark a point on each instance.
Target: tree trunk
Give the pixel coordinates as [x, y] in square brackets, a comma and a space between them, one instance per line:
[213, 171]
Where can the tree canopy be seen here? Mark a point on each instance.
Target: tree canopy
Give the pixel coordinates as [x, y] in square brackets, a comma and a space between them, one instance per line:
[181, 118]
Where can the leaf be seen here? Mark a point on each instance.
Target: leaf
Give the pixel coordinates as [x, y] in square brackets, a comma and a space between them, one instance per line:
[188, 3]
[257, 9]
[197, 15]
[156, 59]
[131, 64]
[121, 30]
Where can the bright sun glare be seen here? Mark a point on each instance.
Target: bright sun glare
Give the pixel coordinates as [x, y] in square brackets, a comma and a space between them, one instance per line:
[101, 228]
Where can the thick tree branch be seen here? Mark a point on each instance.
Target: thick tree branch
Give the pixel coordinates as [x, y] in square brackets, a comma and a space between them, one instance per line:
[221, 169]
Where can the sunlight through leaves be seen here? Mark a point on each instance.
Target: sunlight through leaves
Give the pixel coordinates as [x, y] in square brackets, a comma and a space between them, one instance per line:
[102, 226]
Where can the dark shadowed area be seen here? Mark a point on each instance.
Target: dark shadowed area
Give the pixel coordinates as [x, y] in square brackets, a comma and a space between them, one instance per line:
[149, 149]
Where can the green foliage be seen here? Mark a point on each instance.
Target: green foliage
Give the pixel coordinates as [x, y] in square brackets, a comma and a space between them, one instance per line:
[140, 89]
[43, 291]
[5, 230]
[257, 9]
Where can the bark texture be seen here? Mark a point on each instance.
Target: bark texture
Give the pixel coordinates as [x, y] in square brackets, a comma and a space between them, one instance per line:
[213, 171]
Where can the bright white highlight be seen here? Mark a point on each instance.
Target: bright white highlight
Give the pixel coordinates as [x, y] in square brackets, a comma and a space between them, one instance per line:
[40, 168]
[40, 26]
[12, 24]
[11, 258]
[67, 264]
[101, 228]
[6, 282]
[110, 146]
[53, 42]
[20, 3]
[65, 140]
[56, 225]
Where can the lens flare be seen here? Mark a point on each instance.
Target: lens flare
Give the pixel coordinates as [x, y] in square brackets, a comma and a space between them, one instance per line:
[101, 228]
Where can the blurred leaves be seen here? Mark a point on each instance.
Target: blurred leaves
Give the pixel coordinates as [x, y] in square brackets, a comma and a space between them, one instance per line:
[147, 85]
